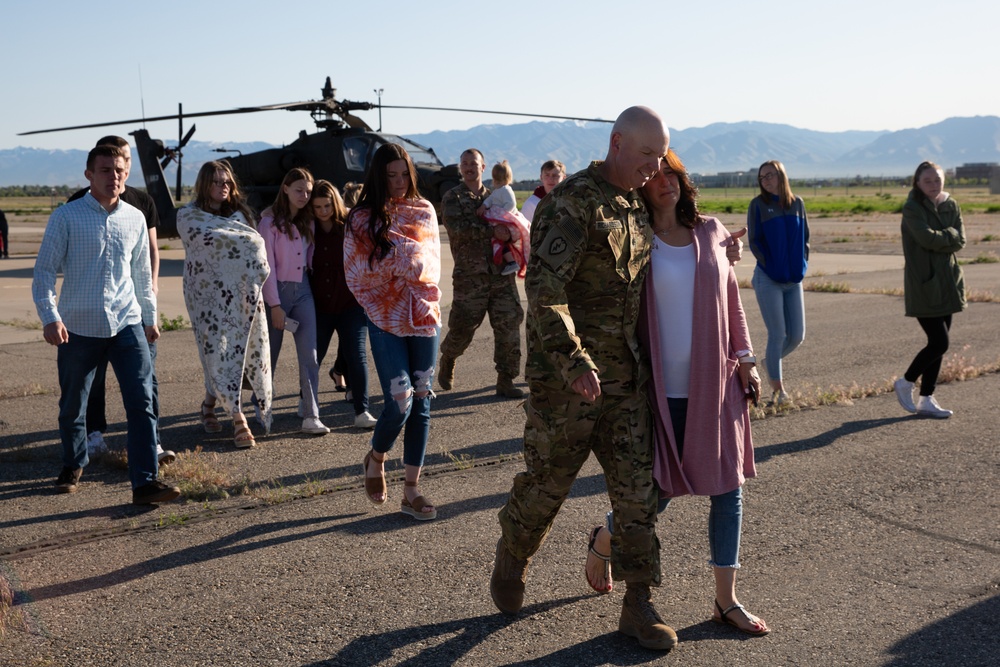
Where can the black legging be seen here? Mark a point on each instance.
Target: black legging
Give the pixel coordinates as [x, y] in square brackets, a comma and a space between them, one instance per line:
[927, 363]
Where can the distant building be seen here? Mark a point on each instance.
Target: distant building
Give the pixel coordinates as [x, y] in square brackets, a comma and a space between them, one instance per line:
[995, 181]
[975, 170]
[726, 179]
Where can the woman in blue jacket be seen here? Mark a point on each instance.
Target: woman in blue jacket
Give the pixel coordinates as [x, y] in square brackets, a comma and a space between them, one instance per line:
[779, 239]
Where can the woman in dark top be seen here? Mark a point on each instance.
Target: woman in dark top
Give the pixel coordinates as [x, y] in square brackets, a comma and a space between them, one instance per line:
[336, 308]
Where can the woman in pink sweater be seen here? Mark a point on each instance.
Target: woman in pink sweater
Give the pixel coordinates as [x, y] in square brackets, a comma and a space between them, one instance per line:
[703, 374]
[392, 263]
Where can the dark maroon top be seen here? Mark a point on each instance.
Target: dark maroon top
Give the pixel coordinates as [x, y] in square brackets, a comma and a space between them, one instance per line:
[329, 288]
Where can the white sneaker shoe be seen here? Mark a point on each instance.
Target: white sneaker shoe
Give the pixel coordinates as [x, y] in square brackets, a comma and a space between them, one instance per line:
[510, 269]
[365, 420]
[927, 406]
[904, 394]
[780, 398]
[313, 426]
[164, 456]
[95, 444]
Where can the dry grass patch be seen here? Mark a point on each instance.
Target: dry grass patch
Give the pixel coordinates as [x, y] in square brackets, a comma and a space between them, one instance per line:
[201, 477]
[10, 618]
[33, 389]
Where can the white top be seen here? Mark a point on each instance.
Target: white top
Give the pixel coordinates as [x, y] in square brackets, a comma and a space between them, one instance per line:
[673, 282]
[503, 197]
[528, 210]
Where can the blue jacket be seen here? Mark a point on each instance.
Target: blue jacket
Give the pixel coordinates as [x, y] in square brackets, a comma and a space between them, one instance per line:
[779, 238]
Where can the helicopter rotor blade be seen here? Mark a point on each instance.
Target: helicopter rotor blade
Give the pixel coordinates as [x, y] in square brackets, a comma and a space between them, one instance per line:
[201, 114]
[503, 113]
[187, 137]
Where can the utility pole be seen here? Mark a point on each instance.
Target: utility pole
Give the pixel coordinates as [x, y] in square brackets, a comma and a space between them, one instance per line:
[378, 91]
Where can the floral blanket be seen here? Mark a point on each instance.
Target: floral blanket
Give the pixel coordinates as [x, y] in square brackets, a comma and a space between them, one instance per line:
[224, 271]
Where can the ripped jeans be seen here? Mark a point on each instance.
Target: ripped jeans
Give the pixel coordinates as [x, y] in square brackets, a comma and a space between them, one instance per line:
[405, 366]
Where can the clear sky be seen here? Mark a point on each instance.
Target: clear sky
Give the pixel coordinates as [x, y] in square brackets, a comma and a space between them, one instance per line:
[852, 64]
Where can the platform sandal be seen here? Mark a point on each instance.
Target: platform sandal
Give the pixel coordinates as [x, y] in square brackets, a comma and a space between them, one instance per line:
[415, 508]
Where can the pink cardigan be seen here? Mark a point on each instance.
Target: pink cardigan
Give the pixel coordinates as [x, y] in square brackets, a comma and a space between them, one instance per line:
[284, 256]
[718, 449]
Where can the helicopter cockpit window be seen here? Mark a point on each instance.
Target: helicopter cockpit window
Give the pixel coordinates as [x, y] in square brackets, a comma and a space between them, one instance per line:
[356, 153]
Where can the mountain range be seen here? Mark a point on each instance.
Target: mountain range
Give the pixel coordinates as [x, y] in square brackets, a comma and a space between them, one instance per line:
[715, 148]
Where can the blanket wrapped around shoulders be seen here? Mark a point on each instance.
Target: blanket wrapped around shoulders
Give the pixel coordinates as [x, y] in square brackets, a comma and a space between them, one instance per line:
[224, 271]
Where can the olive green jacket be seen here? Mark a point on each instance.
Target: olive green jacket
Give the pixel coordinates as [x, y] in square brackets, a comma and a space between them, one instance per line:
[933, 283]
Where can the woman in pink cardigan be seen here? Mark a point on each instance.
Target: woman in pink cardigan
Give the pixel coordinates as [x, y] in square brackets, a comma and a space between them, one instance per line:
[703, 375]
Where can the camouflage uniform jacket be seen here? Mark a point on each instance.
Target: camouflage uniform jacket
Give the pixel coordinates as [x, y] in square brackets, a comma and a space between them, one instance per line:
[469, 236]
[590, 245]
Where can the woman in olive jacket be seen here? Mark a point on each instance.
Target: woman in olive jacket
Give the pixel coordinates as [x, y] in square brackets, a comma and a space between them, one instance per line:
[934, 287]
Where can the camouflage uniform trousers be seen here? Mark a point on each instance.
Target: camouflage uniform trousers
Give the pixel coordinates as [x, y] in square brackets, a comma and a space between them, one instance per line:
[474, 297]
[560, 433]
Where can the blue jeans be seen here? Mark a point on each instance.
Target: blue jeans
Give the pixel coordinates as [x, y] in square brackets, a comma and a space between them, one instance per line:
[405, 366]
[97, 401]
[297, 302]
[784, 314]
[78, 361]
[725, 518]
[352, 329]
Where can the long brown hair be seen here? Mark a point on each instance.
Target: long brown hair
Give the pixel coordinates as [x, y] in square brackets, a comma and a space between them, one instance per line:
[234, 202]
[687, 202]
[786, 198]
[281, 209]
[916, 192]
[325, 189]
[375, 199]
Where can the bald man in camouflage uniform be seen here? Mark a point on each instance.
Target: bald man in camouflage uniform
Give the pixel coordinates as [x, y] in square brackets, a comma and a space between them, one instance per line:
[478, 286]
[590, 247]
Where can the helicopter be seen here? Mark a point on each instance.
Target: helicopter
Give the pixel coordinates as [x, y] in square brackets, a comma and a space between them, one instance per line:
[339, 151]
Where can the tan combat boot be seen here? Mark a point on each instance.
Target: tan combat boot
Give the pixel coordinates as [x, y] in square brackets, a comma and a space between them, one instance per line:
[446, 372]
[640, 620]
[507, 583]
[506, 388]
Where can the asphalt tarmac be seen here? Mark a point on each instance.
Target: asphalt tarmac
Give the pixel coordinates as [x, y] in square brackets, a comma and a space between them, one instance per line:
[870, 536]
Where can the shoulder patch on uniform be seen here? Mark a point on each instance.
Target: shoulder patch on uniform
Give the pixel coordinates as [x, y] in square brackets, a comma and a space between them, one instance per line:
[559, 242]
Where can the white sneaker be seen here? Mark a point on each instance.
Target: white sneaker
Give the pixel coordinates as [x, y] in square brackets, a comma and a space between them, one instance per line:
[927, 406]
[904, 394]
[95, 444]
[365, 420]
[313, 426]
[164, 456]
[780, 398]
[510, 269]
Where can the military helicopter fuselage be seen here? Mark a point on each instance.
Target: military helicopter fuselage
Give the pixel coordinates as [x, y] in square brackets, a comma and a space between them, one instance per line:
[339, 152]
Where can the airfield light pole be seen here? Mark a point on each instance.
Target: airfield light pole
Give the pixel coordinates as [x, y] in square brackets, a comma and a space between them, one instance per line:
[378, 91]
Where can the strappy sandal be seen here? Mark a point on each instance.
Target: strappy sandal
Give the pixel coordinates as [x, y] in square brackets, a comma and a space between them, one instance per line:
[208, 419]
[723, 618]
[242, 436]
[375, 486]
[607, 562]
[415, 508]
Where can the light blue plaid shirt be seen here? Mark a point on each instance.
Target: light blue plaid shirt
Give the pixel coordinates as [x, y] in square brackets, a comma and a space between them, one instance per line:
[104, 259]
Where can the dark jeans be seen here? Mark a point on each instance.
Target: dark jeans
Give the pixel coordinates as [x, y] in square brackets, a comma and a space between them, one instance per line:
[351, 327]
[927, 364]
[96, 402]
[78, 361]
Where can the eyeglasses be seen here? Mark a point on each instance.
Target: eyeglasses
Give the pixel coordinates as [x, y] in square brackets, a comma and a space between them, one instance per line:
[768, 176]
[223, 184]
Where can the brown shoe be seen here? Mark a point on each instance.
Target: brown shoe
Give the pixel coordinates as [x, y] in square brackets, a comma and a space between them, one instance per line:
[506, 388]
[639, 619]
[68, 480]
[446, 372]
[507, 583]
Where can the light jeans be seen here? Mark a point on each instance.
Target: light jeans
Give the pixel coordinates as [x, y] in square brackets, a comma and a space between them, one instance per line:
[784, 313]
[405, 365]
[297, 302]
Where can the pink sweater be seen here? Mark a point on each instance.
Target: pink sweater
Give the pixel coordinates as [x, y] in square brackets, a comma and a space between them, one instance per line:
[286, 256]
[718, 449]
